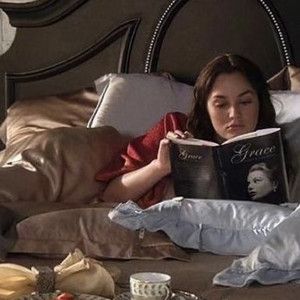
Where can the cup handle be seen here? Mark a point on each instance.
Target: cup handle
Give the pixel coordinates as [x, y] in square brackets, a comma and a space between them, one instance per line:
[169, 293]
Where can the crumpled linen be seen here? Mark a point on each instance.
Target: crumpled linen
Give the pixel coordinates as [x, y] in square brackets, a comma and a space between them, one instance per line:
[75, 274]
[276, 260]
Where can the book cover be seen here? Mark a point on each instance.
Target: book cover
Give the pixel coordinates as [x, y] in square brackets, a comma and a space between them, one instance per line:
[247, 167]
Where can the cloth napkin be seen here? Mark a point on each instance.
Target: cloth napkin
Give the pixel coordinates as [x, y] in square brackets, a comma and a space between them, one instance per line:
[75, 274]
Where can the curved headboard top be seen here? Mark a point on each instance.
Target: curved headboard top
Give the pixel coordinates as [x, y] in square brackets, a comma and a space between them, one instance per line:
[64, 45]
[190, 33]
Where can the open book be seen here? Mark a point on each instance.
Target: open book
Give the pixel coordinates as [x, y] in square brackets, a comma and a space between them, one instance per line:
[247, 167]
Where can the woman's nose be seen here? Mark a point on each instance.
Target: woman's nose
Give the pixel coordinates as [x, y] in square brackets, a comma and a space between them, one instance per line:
[250, 187]
[234, 111]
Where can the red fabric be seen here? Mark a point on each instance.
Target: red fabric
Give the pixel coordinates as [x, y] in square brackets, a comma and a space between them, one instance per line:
[140, 152]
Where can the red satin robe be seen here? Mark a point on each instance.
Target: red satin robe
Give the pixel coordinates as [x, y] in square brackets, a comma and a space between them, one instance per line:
[140, 152]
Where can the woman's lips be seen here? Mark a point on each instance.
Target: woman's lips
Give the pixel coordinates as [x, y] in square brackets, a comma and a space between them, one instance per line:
[252, 194]
[234, 127]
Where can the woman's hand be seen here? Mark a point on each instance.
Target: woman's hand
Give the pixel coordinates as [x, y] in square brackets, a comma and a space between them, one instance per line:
[134, 184]
[162, 161]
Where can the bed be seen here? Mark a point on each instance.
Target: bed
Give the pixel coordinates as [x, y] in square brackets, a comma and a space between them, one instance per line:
[77, 71]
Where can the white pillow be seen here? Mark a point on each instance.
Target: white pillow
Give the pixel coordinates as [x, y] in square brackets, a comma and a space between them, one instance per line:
[133, 103]
[287, 105]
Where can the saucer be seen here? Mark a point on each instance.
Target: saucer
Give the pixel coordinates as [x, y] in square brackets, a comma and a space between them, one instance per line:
[51, 296]
[178, 295]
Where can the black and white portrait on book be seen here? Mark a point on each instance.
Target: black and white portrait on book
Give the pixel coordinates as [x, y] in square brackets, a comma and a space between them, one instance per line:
[262, 181]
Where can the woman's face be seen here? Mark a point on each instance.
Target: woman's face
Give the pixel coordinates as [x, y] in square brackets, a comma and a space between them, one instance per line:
[233, 106]
[259, 184]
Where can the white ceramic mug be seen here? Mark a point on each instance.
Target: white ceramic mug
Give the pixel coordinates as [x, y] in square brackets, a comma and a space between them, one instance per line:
[150, 286]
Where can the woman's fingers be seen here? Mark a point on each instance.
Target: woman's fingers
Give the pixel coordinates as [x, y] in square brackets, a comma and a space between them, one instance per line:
[179, 134]
[188, 134]
[165, 141]
[164, 144]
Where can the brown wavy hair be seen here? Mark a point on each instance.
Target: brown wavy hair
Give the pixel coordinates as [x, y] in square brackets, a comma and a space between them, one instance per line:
[199, 123]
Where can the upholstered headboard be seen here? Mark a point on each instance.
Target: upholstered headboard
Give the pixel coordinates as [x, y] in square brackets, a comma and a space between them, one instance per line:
[64, 45]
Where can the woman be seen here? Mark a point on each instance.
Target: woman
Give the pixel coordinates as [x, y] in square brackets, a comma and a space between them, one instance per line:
[262, 183]
[230, 98]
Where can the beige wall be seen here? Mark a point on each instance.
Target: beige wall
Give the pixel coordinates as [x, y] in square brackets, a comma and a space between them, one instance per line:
[7, 33]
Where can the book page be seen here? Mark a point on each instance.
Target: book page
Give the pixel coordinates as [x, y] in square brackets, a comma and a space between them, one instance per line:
[253, 134]
[189, 141]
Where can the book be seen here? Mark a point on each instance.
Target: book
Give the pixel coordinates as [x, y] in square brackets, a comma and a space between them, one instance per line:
[247, 167]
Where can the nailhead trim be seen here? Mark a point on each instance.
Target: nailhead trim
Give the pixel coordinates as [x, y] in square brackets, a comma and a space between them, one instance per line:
[270, 13]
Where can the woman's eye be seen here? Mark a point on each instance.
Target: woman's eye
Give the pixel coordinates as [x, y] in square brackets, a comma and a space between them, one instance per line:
[257, 180]
[245, 101]
[220, 105]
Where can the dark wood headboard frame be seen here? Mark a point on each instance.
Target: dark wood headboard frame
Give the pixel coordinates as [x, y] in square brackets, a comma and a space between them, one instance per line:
[39, 13]
[43, 13]
[166, 18]
[126, 30]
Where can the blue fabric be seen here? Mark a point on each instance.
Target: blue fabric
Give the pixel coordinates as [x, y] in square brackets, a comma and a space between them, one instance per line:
[163, 216]
[218, 226]
[276, 260]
